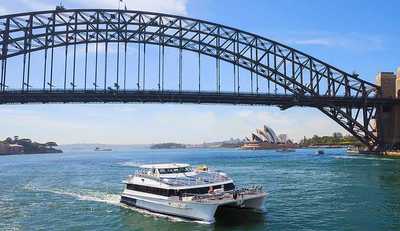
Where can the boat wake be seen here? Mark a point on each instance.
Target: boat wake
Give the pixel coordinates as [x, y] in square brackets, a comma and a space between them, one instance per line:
[363, 158]
[112, 199]
[92, 196]
[130, 164]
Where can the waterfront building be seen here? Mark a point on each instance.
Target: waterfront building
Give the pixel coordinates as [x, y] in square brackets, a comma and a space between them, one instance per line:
[6, 148]
[266, 138]
[283, 138]
[337, 135]
[264, 134]
[3, 148]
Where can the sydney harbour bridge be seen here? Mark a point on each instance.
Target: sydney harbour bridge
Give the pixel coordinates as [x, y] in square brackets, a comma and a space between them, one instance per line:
[122, 56]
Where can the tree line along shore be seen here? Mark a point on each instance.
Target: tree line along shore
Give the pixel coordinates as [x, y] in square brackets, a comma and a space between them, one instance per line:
[16, 145]
[335, 140]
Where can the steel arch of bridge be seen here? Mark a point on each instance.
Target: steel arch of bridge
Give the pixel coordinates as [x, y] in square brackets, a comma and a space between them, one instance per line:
[303, 76]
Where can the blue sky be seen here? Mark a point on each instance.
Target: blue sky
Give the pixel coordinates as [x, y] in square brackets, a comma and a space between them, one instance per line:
[356, 35]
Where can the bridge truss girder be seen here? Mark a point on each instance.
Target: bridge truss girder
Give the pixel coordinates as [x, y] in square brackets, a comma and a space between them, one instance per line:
[297, 73]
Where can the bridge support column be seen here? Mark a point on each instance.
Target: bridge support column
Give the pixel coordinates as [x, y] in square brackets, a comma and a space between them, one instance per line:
[388, 117]
[398, 83]
[397, 112]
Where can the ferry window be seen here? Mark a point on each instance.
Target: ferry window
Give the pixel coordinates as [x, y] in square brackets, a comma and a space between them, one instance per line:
[146, 189]
[229, 187]
[174, 170]
[181, 170]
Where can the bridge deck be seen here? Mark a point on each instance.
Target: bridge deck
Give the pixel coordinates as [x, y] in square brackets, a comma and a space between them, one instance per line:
[155, 96]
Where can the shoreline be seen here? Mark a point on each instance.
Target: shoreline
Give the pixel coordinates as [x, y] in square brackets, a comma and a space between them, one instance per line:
[22, 154]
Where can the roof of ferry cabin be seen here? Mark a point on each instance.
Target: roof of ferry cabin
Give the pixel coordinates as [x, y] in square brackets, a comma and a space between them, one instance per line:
[165, 166]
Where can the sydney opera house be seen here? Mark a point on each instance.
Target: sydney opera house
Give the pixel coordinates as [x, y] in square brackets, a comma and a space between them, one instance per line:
[266, 138]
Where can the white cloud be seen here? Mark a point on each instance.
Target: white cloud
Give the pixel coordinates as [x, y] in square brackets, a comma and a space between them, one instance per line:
[10, 7]
[319, 41]
[3, 10]
[34, 4]
[353, 41]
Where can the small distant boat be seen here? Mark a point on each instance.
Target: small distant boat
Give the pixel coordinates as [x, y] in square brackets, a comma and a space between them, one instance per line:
[319, 152]
[285, 150]
[97, 149]
[353, 150]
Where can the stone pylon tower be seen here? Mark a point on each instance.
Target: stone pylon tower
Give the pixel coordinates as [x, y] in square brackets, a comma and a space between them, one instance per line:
[388, 117]
[398, 83]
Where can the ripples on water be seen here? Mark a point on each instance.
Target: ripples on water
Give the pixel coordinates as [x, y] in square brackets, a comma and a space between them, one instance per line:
[80, 191]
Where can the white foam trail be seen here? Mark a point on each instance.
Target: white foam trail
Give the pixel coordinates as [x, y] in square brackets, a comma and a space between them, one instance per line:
[363, 158]
[98, 197]
[130, 164]
[12, 227]
[90, 196]
[112, 199]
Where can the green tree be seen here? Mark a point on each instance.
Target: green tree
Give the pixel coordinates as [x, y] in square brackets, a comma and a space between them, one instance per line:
[9, 140]
[51, 144]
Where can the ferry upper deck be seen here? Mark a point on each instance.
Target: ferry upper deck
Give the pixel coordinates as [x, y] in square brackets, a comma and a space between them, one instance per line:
[181, 175]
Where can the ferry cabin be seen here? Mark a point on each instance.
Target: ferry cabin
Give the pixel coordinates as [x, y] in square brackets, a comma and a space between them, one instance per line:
[169, 180]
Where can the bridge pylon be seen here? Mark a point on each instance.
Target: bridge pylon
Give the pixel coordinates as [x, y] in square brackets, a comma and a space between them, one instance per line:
[388, 117]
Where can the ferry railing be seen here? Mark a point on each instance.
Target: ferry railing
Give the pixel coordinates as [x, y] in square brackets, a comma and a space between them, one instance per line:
[144, 175]
[210, 177]
[216, 195]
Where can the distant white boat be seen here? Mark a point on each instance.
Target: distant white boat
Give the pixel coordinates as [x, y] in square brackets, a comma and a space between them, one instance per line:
[97, 149]
[178, 190]
[285, 150]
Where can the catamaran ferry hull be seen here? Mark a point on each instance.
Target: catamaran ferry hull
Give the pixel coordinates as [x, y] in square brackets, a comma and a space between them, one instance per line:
[201, 211]
[255, 202]
[191, 211]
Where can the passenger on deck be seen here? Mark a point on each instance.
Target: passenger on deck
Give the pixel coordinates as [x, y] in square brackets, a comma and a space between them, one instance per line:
[210, 190]
[179, 194]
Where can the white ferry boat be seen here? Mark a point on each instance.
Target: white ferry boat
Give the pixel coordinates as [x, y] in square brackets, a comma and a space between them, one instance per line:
[178, 190]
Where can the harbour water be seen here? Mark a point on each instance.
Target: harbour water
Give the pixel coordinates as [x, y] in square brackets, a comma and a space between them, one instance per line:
[79, 190]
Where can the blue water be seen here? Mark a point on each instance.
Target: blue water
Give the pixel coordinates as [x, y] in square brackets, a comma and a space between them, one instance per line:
[79, 190]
